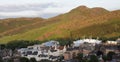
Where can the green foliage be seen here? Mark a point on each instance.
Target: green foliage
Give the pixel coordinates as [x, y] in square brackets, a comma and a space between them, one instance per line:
[20, 44]
[10, 60]
[105, 58]
[45, 60]
[2, 46]
[80, 56]
[64, 41]
[93, 58]
[1, 59]
[110, 55]
[23, 59]
[33, 60]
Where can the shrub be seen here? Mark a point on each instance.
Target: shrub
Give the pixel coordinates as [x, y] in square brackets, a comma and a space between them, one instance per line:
[23, 59]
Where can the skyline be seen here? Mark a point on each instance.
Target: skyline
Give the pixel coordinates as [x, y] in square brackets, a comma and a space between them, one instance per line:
[49, 8]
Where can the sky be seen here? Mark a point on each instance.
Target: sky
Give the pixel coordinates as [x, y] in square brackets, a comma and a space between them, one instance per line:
[49, 8]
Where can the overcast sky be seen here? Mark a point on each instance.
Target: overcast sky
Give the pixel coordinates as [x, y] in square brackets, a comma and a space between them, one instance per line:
[49, 8]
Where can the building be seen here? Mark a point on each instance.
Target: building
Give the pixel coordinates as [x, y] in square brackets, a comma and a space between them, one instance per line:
[71, 52]
[118, 41]
[91, 41]
[67, 56]
[48, 50]
[111, 42]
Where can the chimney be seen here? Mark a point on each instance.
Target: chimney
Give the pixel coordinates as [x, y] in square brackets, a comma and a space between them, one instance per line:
[64, 48]
[55, 47]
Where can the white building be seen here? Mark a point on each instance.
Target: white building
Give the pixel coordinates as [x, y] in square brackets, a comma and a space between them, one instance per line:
[112, 42]
[118, 41]
[92, 41]
[49, 50]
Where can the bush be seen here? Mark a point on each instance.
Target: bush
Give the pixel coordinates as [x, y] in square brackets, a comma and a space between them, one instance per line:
[11, 60]
[20, 44]
[1, 59]
[80, 56]
[104, 57]
[110, 55]
[2, 46]
[23, 59]
[93, 58]
[33, 60]
[45, 60]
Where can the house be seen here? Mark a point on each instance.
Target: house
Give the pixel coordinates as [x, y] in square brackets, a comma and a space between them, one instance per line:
[48, 50]
[118, 41]
[71, 52]
[91, 41]
[51, 43]
[35, 47]
[67, 56]
[111, 42]
[6, 52]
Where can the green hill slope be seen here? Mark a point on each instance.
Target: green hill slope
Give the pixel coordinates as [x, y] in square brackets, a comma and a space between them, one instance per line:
[12, 25]
[79, 22]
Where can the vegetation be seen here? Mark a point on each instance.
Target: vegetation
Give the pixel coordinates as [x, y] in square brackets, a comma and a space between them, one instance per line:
[105, 58]
[93, 58]
[16, 44]
[23, 59]
[45, 60]
[1, 59]
[80, 57]
[33, 60]
[14, 25]
[110, 55]
[65, 41]
[78, 23]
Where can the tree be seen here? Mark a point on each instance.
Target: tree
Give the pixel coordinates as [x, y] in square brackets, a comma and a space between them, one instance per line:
[1, 59]
[17, 44]
[93, 58]
[24, 59]
[99, 53]
[104, 39]
[2, 46]
[61, 58]
[110, 55]
[45, 60]
[80, 57]
[104, 57]
[11, 60]
[20, 44]
[33, 60]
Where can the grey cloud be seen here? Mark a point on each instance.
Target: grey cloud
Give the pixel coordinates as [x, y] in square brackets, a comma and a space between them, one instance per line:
[48, 15]
[34, 7]
[3, 17]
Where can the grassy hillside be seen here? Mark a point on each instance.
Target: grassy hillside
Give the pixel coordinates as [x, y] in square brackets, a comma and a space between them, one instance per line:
[11, 26]
[98, 26]
[79, 22]
[7, 24]
[20, 25]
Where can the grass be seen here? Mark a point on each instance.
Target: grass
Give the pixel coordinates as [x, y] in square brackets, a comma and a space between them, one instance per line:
[79, 25]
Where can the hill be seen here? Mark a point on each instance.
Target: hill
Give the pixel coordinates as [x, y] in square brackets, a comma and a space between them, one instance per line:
[11, 25]
[14, 26]
[79, 22]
